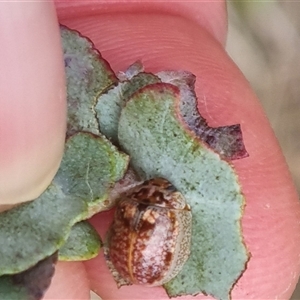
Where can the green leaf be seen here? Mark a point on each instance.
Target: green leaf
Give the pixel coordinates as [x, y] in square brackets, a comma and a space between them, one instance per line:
[110, 104]
[90, 167]
[161, 146]
[83, 243]
[88, 75]
[35, 230]
[30, 284]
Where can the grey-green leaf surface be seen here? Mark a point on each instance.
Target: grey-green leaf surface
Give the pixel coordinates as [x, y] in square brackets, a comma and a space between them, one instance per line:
[90, 167]
[110, 104]
[160, 146]
[35, 230]
[87, 75]
[83, 243]
[30, 284]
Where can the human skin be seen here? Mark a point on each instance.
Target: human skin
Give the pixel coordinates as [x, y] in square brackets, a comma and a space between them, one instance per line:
[191, 36]
[32, 88]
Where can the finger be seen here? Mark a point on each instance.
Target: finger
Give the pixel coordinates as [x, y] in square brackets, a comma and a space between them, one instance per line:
[69, 282]
[270, 223]
[33, 108]
[211, 15]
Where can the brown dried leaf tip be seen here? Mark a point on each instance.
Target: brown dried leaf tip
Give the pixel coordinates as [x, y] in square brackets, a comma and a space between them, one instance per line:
[38, 278]
[225, 140]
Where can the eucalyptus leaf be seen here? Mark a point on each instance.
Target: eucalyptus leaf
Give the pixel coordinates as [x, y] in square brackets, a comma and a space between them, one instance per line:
[225, 140]
[32, 231]
[87, 75]
[110, 104]
[83, 243]
[161, 146]
[35, 230]
[90, 167]
[30, 284]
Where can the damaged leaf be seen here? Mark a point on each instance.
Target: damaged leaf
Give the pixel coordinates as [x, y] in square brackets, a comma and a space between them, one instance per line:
[160, 146]
[30, 284]
[225, 140]
[83, 243]
[35, 230]
[87, 75]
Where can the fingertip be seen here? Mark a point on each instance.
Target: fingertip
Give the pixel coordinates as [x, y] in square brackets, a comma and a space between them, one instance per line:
[33, 106]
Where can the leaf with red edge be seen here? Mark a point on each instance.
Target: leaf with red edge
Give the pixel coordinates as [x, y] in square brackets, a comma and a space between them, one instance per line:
[225, 140]
[110, 104]
[159, 145]
[87, 75]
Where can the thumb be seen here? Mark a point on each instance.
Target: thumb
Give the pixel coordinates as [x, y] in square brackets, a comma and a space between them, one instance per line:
[33, 106]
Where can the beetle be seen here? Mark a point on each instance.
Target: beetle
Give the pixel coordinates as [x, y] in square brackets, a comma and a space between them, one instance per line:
[149, 240]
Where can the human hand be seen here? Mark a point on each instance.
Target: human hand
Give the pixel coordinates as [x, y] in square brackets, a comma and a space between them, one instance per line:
[189, 36]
